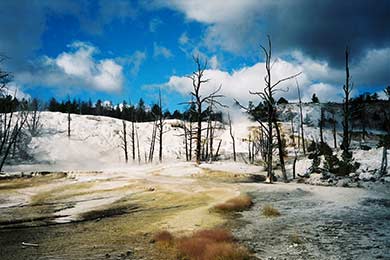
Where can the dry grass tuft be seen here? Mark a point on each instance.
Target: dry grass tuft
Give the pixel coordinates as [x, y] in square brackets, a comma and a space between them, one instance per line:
[215, 234]
[239, 203]
[192, 247]
[225, 251]
[163, 238]
[270, 211]
[208, 244]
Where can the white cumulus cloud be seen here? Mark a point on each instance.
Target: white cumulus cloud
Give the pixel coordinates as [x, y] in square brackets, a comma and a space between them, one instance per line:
[76, 68]
[238, 83]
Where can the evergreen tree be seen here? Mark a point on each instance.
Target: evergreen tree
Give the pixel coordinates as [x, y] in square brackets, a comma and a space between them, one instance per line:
[314, 98]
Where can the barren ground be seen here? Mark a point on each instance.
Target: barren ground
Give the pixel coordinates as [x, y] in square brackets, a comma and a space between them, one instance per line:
[94, 215]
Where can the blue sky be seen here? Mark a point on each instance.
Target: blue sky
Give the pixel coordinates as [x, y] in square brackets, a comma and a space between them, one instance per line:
[125, 50]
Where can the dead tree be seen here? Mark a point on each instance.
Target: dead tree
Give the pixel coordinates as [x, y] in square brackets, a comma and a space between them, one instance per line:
[267, 95]
[191, 134]
[139, 152]
[132, 134]
[219, 146]
[333, 121]
[123, 137]
[186, 140]
[132, 137]
[294, 162]
[321, 124]
[152, 142]
[347, 88]
[69, 119]
[198, 81]
[33, 122]
[12, 125]
[385, 144]
[210, 133]
[160, 128]
[280, 149]
[301, 119]
[249, 148]
[232, 136]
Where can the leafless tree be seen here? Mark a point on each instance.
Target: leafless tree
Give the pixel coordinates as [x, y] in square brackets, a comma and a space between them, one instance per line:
[186, 139]
[347, 88]
[123, 137]
[132, 139]
[152, 141]
[280, 149]
[191, 138]
[267, 95]
[232, 136]
[12, 122]
[69, 118]
[384, 142]
[33, 122]
[161, 123]
[250, 157]
[301, 119]
[139, 153]
[333, 121]
[11, 130]
[198, 81]
[321, 124]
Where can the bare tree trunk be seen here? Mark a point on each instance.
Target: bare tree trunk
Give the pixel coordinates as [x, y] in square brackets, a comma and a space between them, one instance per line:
[364, 120]
[346, 113]
[206, 142]
[197, 82]
[253, 150]
[270, 104]
[249, 148]
[383, 169]
[219, 146]
[124, 141]
[139, 153]
[295, 163]
[185, 139]
[292, 130]
[199, 134]
[69, 119]
[160, 139]
[133, 139]
[152, 142]
[267, 95]
[322, 125]
[334, 130]
[301, 119]
[161, 129]
[10, 136]
[233, 139]
[211, 140]
[280, 149]
[191, 138]
[33, 122]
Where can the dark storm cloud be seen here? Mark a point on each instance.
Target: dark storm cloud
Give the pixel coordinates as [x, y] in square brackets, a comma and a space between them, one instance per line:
[319, 28]
[323, 28]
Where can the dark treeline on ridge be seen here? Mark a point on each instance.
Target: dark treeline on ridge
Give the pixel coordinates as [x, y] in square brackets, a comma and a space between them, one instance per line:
[140, 112]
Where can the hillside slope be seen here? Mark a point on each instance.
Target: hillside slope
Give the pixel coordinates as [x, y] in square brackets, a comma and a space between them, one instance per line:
[95, 142]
